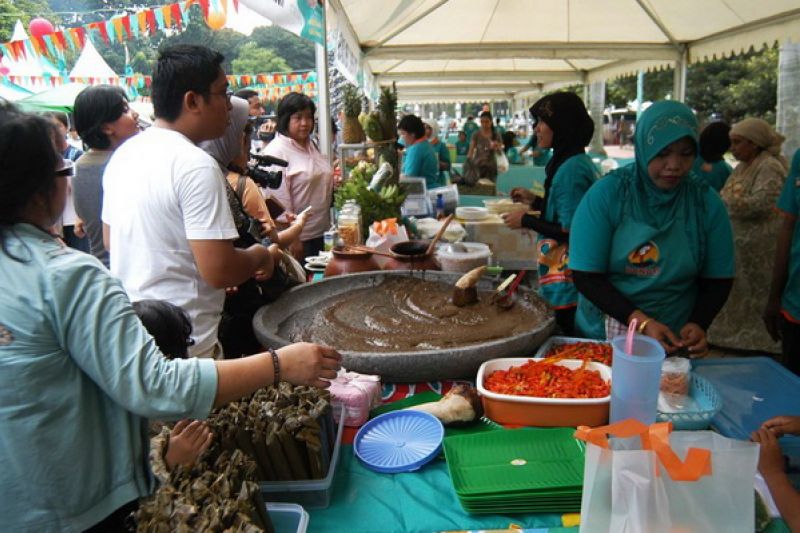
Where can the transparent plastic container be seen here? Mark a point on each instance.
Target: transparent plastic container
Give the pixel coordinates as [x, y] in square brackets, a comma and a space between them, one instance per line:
[349, 224]
[477, 254]
[310, 493]
[287, 517]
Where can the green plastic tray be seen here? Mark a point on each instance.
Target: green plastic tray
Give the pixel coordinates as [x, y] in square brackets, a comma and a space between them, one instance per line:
[521, 461]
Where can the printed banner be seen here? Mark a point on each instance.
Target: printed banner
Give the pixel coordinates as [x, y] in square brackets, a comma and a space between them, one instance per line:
[302, 17]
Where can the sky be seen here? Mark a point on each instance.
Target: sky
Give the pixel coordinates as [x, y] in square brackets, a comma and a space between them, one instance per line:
[245, 20]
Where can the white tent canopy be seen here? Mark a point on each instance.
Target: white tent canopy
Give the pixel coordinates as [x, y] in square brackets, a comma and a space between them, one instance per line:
[425, 45]
[28, 66]
[91, 64]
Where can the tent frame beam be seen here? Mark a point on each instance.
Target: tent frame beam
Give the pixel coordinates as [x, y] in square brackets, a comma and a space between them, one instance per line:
[550, 50]
[534, 76]
[407, 25]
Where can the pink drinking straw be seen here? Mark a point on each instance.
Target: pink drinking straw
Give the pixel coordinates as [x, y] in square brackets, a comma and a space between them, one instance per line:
[629, 337]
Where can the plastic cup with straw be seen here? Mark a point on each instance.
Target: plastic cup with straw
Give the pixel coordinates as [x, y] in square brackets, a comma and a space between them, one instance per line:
[635, 376]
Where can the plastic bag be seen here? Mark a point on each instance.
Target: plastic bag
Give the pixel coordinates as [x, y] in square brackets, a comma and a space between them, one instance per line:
[502, 162]
[673, 395]
[382, 235]
[638, 483]
[359, 393]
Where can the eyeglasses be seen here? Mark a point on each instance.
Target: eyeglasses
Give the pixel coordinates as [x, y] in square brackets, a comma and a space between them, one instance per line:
[227, 93]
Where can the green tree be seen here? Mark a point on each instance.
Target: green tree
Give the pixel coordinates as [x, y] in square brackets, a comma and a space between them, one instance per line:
[24, 10]
[298, 52]
[254, 59]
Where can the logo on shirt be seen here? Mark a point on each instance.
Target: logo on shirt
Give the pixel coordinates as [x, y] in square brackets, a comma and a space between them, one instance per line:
[553, 260]
[643, 261]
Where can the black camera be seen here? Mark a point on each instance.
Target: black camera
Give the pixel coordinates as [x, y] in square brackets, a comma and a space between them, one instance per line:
[263, 176]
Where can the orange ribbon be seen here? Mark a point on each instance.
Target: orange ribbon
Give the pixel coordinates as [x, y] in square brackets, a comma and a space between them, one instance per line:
[656, 438]
[385, 227]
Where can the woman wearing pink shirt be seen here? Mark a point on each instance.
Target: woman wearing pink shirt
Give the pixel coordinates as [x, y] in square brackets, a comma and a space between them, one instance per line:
[308, 180]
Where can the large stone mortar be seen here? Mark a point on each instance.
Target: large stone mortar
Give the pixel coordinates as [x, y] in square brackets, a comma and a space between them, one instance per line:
[423, 365]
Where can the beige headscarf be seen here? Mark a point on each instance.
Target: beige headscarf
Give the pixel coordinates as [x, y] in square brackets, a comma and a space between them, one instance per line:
[760, 133]
[434, 128]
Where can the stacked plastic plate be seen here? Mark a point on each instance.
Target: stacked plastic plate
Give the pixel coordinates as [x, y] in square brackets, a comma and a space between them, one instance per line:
[517, 471]
[400, 441]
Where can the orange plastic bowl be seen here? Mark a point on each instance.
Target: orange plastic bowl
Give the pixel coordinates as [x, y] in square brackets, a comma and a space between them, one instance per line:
[544, 412]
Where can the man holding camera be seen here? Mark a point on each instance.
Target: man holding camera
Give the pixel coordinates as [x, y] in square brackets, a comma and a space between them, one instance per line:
[168, 224]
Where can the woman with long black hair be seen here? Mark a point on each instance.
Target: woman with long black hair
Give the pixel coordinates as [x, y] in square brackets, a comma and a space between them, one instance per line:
[562, 124]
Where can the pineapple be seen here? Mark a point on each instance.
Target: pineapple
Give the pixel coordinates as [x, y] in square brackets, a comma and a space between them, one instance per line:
[352, 131]
[387, 106]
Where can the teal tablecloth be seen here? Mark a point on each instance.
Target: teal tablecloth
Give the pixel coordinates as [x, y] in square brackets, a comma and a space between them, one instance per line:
[423, 501]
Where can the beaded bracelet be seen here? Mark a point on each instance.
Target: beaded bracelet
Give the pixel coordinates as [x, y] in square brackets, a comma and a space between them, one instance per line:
[276, 366]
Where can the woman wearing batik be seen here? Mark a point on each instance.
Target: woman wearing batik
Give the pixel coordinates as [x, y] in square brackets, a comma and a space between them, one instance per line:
[750, 194]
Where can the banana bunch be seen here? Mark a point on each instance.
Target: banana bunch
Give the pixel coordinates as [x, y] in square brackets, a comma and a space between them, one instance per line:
[390, 193]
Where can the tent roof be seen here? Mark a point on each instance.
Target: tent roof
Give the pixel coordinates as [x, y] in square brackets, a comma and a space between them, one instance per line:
[11, 91]
[91, 64]
[546, 43]
[27, 66]
[61, 98]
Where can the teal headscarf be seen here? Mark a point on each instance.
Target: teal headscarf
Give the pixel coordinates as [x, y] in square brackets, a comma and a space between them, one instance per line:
[660, 125]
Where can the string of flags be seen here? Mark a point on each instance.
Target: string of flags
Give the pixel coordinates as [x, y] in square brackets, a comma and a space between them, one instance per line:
[132, 26]
[271, 85]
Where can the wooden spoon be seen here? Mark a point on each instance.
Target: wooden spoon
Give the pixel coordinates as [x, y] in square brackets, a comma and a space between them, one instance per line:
[359, 248]
[439, 234]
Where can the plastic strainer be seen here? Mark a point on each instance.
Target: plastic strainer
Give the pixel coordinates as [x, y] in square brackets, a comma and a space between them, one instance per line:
[400, 441]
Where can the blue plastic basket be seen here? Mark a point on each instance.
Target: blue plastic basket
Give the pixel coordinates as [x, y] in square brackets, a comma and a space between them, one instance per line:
[708, 402]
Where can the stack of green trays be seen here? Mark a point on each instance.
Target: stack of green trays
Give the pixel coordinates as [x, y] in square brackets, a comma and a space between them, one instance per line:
[517, 471]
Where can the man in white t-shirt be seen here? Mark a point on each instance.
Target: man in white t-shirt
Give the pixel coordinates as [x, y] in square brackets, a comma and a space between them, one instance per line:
[166, 217]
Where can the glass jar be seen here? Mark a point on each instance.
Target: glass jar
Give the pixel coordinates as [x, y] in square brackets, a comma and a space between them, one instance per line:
[349, 225]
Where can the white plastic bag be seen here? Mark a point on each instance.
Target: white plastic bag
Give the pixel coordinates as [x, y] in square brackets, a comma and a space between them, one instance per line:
[688, 481]
[382, 235]
[502, 162]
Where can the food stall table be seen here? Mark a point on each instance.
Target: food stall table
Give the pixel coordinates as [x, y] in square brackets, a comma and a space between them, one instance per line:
[513, 249]
[753, 389]
[421, 501]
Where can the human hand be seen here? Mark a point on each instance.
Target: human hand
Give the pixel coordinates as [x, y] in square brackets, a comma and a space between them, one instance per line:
[188, 440]
[694, 339]
[783, 425]
[522, 195]
[663, 335]
[269, 230]
[770, 458]
[304, 363]
[289, 216]
[79, 229]
[772, 317]
[513, 219]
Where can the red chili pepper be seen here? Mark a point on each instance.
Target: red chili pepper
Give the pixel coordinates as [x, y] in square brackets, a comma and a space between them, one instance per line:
[543, 379]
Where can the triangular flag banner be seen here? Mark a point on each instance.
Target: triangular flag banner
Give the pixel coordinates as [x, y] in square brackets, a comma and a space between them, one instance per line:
[177, 16]
[152, 23]
[111, 29]
[236, 5]
[126, 25]
[166, 13]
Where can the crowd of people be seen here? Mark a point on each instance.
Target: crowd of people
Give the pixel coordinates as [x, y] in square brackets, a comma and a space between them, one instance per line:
[174, 223]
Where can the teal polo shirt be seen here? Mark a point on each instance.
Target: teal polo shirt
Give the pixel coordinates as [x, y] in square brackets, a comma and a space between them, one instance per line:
[716, 177]
[419, 161]
[572, 179]
[657, 268]
[789, 203]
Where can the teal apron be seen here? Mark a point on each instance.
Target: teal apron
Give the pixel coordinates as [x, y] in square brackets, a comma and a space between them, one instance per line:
[656, 269]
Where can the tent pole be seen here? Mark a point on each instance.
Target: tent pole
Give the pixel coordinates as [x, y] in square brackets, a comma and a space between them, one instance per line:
[679, 78]
[597, 102]
[639, 93]
[323, 92]
[788, 104]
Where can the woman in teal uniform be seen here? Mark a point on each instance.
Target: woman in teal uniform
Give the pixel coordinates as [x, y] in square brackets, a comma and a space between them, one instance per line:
[651, 242]
[782, 314]
[439, 148]
[710, 166]
[563, 124]
[419, 159]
